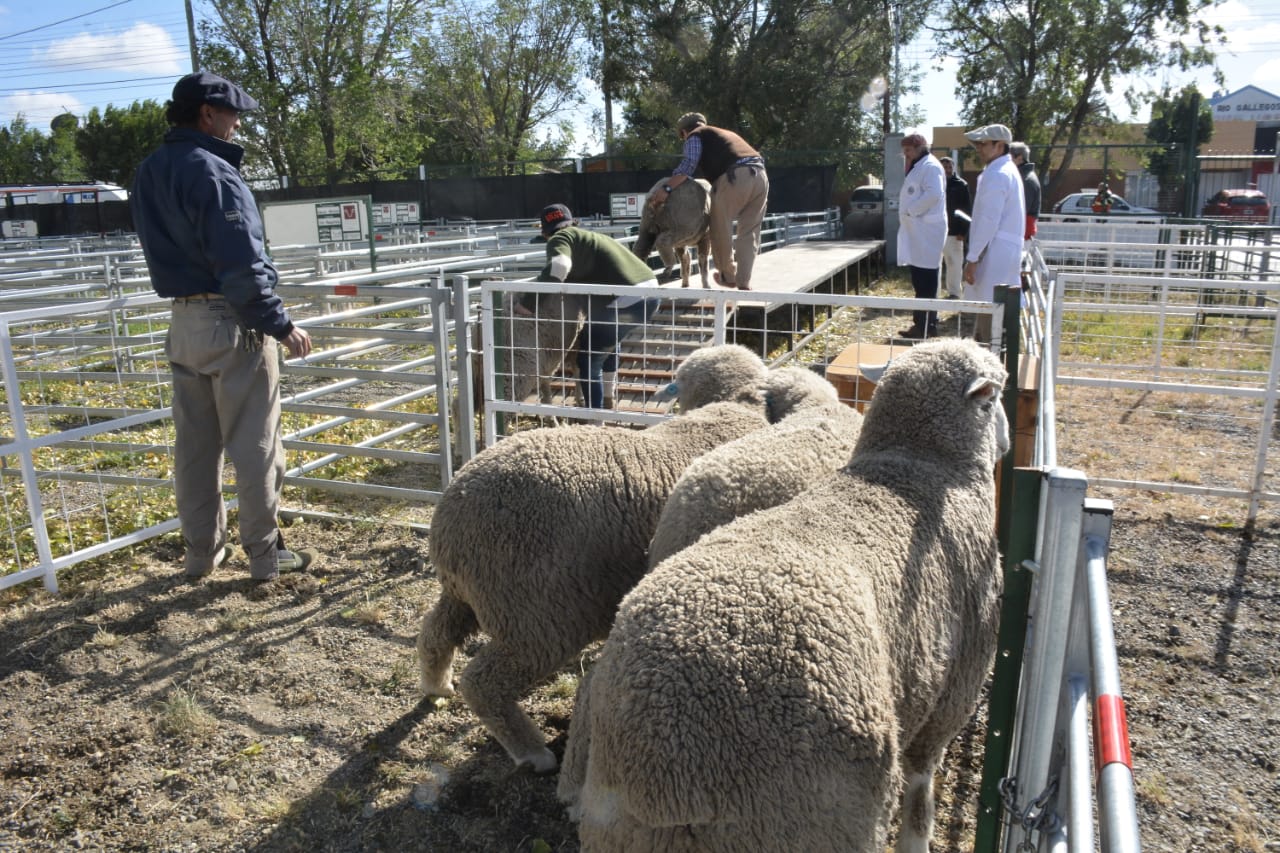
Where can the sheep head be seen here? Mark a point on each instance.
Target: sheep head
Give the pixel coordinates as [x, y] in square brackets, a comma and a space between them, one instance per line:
[789, 389]
[941, 398]
[719, 374]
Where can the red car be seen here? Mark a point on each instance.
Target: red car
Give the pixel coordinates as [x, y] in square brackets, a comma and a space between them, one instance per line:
[1242, 205]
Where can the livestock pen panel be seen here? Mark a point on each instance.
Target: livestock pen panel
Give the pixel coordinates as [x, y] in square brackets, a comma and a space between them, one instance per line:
[87, 458]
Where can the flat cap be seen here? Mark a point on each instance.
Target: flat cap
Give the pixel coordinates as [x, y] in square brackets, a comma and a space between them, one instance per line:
[204, 87]
[990, 133]
[689, 121]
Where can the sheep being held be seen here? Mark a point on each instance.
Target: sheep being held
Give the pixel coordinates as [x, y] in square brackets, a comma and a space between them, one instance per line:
[539, 537]
[683, 221]
[811, 436]
[778, 683]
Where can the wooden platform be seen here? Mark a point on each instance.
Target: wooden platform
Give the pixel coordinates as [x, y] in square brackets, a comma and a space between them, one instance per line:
[650, 355]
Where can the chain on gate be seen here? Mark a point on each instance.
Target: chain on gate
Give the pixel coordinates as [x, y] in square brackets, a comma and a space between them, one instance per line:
[1036, 816]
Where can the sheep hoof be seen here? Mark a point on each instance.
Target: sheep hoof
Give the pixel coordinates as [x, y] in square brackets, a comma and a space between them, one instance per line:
[540, 763]
[438, 691]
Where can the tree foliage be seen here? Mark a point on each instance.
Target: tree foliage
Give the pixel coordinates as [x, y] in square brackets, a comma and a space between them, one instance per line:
[490, 74]
[1046, 67]
[330, 75]
[112, 142]
[787, 75]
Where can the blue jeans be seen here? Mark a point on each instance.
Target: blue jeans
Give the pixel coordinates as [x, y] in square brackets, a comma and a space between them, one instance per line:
[598, 346]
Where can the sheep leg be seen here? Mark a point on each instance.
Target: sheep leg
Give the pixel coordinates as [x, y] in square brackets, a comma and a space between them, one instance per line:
[916, 825]
[667, 251]
[573, 772]
[497, 677]
[684, 267]
[445, 627]
[704, 259]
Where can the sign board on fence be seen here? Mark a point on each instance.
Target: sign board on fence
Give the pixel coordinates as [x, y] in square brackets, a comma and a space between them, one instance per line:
[396, 213]
[625, 204]
[334, 220]
[19, 228]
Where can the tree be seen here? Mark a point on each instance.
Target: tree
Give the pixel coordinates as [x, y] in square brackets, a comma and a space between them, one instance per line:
[330, 77]
[1180, 123]
[492, 73]
[788, 75]
[21, 149]
[114, 141]
[1045, 67]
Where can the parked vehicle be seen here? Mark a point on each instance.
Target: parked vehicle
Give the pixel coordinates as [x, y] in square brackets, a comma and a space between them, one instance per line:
[1081, 204]
[1240, 205]
[866, 213]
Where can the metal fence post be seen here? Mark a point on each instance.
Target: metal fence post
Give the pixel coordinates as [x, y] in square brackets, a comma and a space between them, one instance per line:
[1050, 624]
[465, 390]
[21, 442]
[1021, 504]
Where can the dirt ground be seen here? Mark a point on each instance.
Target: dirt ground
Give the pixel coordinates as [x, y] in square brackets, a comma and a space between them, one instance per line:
[139, 711]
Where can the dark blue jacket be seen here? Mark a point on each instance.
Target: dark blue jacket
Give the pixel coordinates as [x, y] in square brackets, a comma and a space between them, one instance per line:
[200, 229]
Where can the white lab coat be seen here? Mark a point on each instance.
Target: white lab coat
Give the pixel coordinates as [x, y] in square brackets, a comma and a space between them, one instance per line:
[995, 235]
[922, 215]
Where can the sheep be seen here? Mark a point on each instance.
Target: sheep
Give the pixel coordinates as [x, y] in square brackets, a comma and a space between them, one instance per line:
[536, 349]
[539, 537]
[683, 221]
[778, 684]
[812, 435]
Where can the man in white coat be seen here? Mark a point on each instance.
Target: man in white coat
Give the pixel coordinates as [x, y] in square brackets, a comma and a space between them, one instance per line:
[999, 216]
[922, 229]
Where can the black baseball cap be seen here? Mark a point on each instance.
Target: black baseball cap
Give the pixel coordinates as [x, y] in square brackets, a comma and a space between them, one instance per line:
[554, 217]
[204, 87]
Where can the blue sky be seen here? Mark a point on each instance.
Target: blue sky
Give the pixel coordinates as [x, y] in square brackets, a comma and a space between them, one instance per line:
[73, 55]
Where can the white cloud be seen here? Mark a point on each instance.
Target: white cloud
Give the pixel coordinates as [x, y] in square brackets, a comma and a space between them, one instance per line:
[142, 48]
[1266, 75]
[39, 107]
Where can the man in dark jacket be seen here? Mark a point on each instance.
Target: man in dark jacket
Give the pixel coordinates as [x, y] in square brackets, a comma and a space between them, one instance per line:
[204, 244]
[739, 190]
[1020, 154]
[958, 207]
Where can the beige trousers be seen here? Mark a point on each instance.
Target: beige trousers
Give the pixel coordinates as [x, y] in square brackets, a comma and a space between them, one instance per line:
[225, 398]
[743, 199]
[953, 265]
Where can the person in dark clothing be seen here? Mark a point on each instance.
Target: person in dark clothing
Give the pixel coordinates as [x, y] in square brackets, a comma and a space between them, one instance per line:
[958, 207]
[739, 190]
[1021, 156]
[578, 255]
[204, 244]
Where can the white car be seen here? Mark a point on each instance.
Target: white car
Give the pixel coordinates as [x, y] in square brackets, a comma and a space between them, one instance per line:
[1081, 203]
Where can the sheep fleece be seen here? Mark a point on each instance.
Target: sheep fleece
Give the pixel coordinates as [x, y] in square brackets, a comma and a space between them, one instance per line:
[560, 519]
[770, 686]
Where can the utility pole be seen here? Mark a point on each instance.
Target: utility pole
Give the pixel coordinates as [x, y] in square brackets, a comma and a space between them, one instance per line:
[607, 87]
[191, 36]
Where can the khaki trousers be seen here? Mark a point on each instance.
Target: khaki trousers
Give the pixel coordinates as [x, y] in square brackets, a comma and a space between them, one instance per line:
[225, 397]
[743, 199]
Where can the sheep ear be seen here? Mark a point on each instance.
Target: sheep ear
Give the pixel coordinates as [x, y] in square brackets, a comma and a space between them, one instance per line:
[982, 388]
[671, 392]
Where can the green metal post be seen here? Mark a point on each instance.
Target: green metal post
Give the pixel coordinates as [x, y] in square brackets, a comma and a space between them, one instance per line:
[1016, 529]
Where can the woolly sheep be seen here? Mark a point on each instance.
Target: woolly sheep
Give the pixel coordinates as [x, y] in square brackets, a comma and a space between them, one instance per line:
[812, 436]
[535, 349]
[771, 686]
[539, 537]
[683, 221]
